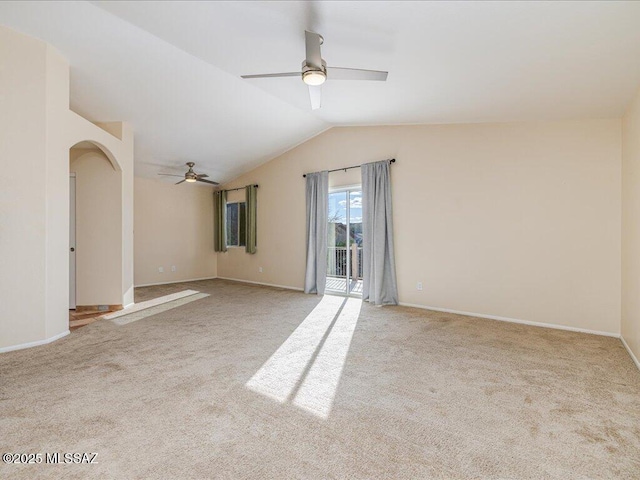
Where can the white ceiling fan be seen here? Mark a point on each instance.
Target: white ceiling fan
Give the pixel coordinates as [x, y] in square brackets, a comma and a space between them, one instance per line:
[191, 176]
[315, 71]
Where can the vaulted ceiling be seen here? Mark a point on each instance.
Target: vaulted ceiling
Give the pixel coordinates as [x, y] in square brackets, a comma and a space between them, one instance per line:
[173, 69]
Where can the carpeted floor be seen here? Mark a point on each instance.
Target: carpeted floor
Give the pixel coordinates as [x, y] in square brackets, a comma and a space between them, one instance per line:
[260, 383]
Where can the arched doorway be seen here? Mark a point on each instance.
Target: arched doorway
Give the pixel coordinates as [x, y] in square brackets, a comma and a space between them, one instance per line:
[95, 233]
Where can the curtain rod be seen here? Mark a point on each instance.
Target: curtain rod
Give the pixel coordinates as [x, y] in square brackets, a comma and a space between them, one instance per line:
[239, 188]
[393, 160]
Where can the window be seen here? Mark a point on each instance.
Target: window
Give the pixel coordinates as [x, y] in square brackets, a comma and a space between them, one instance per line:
[236, 214]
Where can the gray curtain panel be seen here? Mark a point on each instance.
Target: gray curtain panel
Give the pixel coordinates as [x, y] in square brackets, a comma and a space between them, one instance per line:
[251, 218]
[220, 221]
[379, 271]
[317, 206]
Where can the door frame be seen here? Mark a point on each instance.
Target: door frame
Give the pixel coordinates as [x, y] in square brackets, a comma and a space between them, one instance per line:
[72, 241]
[347, 189]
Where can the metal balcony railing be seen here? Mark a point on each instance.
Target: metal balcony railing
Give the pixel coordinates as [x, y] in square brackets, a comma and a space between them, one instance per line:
[337, 262]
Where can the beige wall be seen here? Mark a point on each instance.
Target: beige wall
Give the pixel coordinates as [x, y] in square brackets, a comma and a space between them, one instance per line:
[631, 226]
[173, 227]
[22, 202]
[98, 228]
[37, 129]
[511, 220]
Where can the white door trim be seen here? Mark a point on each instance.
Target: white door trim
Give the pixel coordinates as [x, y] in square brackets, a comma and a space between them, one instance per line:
[72, 241]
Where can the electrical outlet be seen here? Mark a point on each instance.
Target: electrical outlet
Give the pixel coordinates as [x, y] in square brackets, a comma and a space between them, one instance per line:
[419, 286]
[173, 268]
[160, 269]
[260, 269]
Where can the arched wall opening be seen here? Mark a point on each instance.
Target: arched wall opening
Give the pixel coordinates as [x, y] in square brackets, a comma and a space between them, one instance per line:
[96, 220]
[34, 246]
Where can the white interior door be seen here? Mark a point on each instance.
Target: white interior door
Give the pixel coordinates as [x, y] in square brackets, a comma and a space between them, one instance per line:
[72, 242]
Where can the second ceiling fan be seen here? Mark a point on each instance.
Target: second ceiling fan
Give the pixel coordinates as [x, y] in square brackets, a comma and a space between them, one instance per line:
[315, 71]
[191, 176]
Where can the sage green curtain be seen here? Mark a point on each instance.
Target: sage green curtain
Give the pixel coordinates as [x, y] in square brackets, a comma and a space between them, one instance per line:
[251, 218]
[220, 221]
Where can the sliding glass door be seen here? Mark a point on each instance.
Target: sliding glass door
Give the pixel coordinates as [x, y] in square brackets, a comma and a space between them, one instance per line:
[344, 242]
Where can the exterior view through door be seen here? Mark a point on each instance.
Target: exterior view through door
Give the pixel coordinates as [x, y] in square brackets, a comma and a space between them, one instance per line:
[344, 242]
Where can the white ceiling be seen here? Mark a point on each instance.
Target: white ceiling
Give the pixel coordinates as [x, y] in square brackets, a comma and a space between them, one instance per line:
[172, 68]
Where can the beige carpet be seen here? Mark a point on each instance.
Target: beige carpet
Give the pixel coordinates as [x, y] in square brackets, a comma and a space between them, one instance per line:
[260, 383]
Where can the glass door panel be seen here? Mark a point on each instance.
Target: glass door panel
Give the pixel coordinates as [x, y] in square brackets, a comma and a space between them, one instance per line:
[336, 243]
[344, 242]
[355, 241]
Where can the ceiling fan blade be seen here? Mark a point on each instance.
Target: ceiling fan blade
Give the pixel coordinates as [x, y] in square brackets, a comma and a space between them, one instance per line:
[337, 73]
[206, 181]
[170, 175]
[315, 94]
[202, 175]
[180, 182]
[273, 75]
[312, 43]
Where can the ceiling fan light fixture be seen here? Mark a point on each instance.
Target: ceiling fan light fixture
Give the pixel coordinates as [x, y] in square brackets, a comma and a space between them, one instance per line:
[314, 77]
[314, 70]
[191, 176]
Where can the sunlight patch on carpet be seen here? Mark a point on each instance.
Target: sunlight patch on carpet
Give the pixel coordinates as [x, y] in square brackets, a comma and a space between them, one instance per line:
[307, 367]
[125, 318]
[319, 387]
[136, 307]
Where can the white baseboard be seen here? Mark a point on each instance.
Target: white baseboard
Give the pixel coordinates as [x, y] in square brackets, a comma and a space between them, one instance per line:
[174, 281]
[633, 357]
[34, 344]
[297, 289]
[515, 320]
